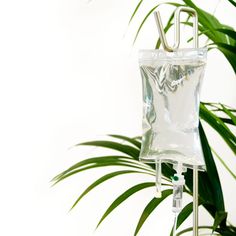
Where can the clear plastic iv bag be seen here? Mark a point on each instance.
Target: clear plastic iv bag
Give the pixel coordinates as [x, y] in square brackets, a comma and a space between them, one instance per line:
[171, 87]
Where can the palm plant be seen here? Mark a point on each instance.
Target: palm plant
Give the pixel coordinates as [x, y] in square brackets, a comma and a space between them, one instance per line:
[220, 117]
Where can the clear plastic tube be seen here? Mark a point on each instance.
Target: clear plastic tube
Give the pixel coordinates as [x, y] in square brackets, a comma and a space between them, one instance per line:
[175, 224]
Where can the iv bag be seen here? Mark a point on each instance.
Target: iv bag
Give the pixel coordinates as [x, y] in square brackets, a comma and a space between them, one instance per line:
[171, 89]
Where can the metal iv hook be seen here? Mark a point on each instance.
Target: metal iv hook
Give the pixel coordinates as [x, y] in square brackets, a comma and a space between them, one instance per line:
[177, 28]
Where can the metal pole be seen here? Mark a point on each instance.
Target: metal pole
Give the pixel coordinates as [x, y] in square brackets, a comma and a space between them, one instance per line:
[195, 201]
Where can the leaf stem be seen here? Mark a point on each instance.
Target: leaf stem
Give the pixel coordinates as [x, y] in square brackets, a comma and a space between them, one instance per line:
[223, 163]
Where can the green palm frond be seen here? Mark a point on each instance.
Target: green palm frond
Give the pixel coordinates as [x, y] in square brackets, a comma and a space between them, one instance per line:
[219, 126]
[105, 178]
[133, 141]
[126, 149]
[151, 206]
[124, 196]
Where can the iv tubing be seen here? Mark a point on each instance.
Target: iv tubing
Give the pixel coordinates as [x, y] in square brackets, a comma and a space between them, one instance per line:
[195, 201]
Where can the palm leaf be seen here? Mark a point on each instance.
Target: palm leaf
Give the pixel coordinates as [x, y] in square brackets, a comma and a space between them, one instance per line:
[167, 170]
[130, 140]
[232, 2]
[229, 113]
[89, 162]
[208, 21]
[138, 137]
[230, 53]
[219, 218]
[210, 191]
[212, 173]
[227, 231]
[102, 162]
[231, 33]
[124, 196]
[135, 10]
[150, 208]
[224, 164]
[218, 125]
[103, 179]
[205, 190]
[190, 229]
[227, 121]
[218, 106]
[129, 150]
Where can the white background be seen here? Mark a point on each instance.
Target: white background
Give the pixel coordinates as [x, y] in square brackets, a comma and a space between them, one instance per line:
[69, 73]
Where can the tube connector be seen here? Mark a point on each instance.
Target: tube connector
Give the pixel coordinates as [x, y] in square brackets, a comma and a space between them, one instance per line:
[178, 184]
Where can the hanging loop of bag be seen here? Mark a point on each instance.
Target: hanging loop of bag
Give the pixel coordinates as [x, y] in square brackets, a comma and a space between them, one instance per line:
[177, 23]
